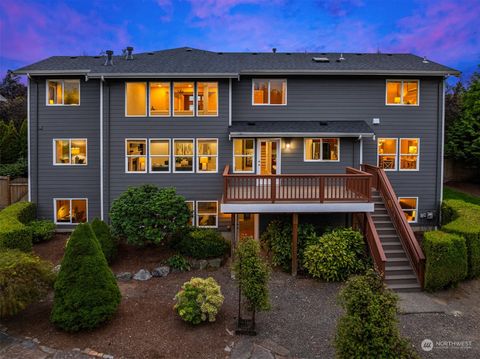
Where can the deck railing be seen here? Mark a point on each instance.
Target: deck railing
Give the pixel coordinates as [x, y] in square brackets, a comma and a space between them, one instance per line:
[353, 186]
[405, 232]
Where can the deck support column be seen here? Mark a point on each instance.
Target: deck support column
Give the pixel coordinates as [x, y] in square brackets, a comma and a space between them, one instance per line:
[294, 243]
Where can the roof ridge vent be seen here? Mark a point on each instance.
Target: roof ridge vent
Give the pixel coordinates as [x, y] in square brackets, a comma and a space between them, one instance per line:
[189, 49]
[320, 59]
[109, 60]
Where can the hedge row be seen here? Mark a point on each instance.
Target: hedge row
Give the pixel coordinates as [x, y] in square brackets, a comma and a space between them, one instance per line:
[14, 234]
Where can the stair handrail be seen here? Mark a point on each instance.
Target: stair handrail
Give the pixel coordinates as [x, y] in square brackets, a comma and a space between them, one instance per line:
[409, 241]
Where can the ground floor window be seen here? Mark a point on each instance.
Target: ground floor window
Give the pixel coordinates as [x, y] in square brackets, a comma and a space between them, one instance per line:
[207, 214]
[410, 207]
[70, 210]
[246, 225]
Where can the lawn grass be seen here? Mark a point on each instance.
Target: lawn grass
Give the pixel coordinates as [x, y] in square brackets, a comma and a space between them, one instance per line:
[450, 193]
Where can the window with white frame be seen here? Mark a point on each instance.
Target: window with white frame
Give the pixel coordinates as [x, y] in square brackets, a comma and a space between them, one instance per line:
[183, 154]
[70, 151]
[70, 210]
[409, 153]
[136, 155]
[183, 99]
[136, 99]
[269, 92]
[207, 98]
[159, 99]
[387, 153]
[207, 214]
[63, 92]
[159, 154]
[322, 149]
[243, 155]
[409, 207]
[207, 155]
[191, 208]
[402, 92]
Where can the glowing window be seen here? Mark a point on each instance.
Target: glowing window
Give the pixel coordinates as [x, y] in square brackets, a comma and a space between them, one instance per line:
[402, 92]
[409, 207]
[159, 155]
[321, 149]
[409, 151]
[159, 98]
[269, 92]
[136, 98]
[183, 155]
[387, 153]
[207, 214]
[207, 95]
[136, 155]
[70, 151]
[71, 211]
[183, 101]
[63, 92]
[243, 155]
[191, 208]
[207, 155]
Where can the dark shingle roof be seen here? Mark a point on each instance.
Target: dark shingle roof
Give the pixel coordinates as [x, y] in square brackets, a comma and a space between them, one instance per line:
[300, 128]
[187, 61]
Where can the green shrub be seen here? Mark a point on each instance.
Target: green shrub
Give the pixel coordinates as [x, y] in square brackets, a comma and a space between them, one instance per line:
[25, 212]
[252, 274]
[41, 231]
[335, 255]
[105, 238]
[369, 328]
[86, 292]
[199, 300]
[464, 220]
[147, 214]
[14, 235]
[178, 262]
[14, 170]
[446, 259]
[277, 238]
[24, 279]
[203, 243]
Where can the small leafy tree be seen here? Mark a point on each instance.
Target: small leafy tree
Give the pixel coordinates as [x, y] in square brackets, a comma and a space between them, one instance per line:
[148, 214]
[9, 144]
[86, 292]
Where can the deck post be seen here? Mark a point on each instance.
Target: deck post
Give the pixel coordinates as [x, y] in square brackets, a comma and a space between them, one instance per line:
[294, 243]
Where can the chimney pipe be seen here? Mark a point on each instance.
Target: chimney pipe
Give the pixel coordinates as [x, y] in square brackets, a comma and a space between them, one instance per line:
[109, 60]
[274, 50]
[129, 55]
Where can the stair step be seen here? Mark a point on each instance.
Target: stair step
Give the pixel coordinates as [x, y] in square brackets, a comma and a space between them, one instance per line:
[395, 253]
[398, 261]
[380, 215]
[410, 287]
[391, 246]
[385, 231]
[382, 224]
[398, 270]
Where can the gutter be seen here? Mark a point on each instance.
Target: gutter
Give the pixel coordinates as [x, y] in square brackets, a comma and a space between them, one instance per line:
[350, 72]
[298, 134]
[51, 72]
[163, 75]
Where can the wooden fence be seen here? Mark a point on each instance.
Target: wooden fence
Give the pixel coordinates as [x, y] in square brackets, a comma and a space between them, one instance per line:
[12, 191]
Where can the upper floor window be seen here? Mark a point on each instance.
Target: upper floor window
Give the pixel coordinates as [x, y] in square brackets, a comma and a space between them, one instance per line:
[70, 210]
[159, 155]
[409, 150]
[159, 98]
[207, 155]
[183, 155]
[269, 92]
[410, 208]
[207, 98]
[136, 99]
[183, 100]
[63, 92]
[243, 155]
[387, 153]
[70, 151]
[402, 92]
[322, 149]
[136, 155]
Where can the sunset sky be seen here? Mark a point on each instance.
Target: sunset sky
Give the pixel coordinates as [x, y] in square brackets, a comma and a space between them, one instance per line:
[446, 31]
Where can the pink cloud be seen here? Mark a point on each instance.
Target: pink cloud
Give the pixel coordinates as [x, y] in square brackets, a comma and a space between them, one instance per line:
[219, 8]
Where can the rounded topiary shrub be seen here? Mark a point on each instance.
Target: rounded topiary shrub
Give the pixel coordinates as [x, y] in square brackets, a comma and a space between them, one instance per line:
[148, 214]
[24, 279]
[105, 238]
[199, 300]
[335, 255]
[41, 231]
[86, 292]
[203, 243]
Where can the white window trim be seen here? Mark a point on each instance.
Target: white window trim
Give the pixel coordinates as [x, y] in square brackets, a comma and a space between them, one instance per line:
[149, 100]
[175, 156]
[416, 208]
[196, 98]
[388, 154]
[193, 211]
[69, 152]
[321, 149]
[169, 155]
[400, 155]
[243, 156]
[268, 104]
[127, 155]
[68, 199]
[401, 88]
[147, 94]
[197, 157]
[63, 93]
[210, 214]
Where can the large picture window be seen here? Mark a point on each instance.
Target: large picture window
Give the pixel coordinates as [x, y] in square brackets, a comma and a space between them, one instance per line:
[183, 101]
[63, 92]
[207, 98]
[269, 92]
[159, 153]
[70, 210]
[207, 214]
[136, 155]
[207, 155]
[243, 155]
[159, 98]
[409, 150]
[70, 152]
[410, 208]
[322, 149]
[387, 153]
[136, 99]
[183, 155]
[402, 92]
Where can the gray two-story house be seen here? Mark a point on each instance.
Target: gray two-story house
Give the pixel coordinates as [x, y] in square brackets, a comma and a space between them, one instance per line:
[347, 139]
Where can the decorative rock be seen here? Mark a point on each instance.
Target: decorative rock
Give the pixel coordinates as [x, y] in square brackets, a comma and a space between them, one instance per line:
[56, 269]
[194, 264]
[261, 353]
[124, 276]
[161, 271]
[142, 274]
[202, 264]
[274, 347]
[47, 350]
[215, 263]
[107, 356]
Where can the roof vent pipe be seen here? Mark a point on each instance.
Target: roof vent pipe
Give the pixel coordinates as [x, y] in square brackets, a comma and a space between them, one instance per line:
[341, 58]
[109, 60]
[274, 50]
[425, 61]
[129, 54]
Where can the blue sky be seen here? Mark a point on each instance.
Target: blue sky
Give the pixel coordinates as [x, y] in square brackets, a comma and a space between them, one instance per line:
[446, 31]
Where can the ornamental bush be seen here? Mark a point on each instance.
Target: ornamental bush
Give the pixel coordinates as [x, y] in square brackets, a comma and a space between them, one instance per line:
[24, 279]
[335, 255]
[199, 300]
[41, 231]
[179, 263]
[148, 214]
[202, 243]
[105, 238]
[25, 212]
[446, 259]
[369, 328]
[86, 292]
[14, 235]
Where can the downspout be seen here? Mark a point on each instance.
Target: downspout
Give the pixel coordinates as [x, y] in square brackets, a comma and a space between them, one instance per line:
[229, 102]
[101, 149]
[360, 139]
[442, 144]
[36, 144]
[29, 160]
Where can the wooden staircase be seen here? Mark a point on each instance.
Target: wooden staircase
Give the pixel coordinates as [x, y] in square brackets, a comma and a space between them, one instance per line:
[399, 274]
